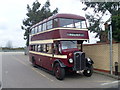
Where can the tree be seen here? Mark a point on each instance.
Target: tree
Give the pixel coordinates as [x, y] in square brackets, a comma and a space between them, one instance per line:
[100, 9]
[116, 27]
[9, 44]
[35, 15]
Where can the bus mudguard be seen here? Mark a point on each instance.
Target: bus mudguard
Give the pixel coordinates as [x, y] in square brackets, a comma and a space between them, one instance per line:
[89, 62]
[58, 61]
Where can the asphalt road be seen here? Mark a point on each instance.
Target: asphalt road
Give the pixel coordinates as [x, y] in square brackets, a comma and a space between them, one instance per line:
[17, 72]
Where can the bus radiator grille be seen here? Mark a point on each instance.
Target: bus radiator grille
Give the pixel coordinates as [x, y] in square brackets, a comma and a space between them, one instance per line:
[79, 61]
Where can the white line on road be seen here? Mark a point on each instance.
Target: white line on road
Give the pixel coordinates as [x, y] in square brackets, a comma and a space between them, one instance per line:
[42, 74]
[33, 69]
[110, 83]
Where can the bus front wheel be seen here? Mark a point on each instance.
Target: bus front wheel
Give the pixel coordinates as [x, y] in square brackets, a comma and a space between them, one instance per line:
[88, 72]
[59, 72]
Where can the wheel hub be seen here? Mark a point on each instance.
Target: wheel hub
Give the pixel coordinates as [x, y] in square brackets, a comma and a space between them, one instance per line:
[88, 71]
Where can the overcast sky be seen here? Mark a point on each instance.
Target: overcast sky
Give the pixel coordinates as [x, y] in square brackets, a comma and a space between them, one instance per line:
[12, 12]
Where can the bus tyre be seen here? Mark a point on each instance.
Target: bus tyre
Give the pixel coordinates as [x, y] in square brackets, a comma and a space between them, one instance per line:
[34, 63]
[88, 72]
[59, 72]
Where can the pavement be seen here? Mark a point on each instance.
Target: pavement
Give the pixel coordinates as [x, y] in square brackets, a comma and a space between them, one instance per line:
[107, 74]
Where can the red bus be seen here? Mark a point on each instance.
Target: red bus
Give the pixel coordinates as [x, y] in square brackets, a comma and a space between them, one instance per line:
[56, 45]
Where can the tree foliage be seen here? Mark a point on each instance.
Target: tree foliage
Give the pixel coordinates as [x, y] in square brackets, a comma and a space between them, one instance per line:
[35, 15]
[100, 9]
[116, 27]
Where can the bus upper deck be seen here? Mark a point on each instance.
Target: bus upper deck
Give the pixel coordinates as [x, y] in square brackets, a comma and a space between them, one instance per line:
[60, 26]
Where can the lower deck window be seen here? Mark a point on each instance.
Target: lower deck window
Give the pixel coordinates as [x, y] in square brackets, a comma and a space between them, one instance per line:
[45, 48]
[49, 48]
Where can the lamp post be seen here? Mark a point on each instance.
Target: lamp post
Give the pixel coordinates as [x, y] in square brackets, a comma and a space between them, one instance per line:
[111, 53]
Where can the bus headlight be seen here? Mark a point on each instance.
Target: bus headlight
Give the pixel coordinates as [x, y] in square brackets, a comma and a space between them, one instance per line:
[70, 60]
[88, 59]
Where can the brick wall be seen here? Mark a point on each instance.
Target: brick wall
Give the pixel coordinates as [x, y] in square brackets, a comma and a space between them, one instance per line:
[100, 54]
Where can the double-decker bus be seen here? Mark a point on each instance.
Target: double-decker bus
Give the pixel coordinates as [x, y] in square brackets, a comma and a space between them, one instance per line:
[56, 45]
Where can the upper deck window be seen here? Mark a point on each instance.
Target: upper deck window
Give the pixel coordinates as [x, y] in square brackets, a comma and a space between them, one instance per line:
[36, 29]
[55, 23]
[79, 24]
[66, 22]
[72, 23]
[49, 24]
[44, 27]
[32, 31]
[39, 28]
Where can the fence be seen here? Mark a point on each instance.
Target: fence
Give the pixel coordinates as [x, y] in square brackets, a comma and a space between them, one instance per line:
[100, 54]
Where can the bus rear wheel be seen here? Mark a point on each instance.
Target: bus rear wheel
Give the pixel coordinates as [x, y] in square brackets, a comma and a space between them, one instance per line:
[59, 72]
[34, 63]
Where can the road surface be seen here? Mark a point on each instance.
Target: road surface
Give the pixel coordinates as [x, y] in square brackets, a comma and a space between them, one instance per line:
[17, 72]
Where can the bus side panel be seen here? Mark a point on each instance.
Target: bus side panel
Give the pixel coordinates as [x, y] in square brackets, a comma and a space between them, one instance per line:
[43, 61]
[31, 56]
[60, 33]
[50, 35]
[46, 62]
